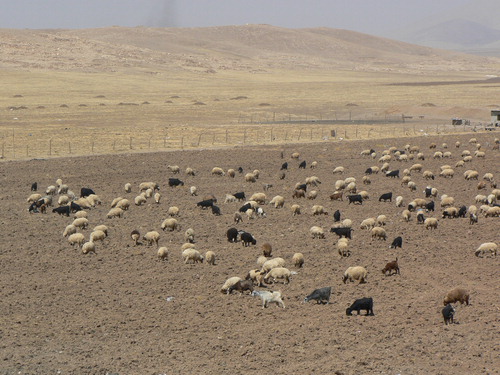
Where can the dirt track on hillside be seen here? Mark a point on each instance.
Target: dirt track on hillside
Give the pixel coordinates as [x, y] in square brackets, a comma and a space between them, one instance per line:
[110, 312]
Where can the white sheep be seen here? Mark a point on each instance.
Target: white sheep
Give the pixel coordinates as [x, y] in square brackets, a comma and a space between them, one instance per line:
[339, 170]
[399, 201]
[94, 200]
[295, 209]
[63, 200]
[379, 233]
[273, 263]
[124, 204]
[250, 177]
[97, 235]
[51, 190]
[261, 260]
[80, 214]
[210, 257]
[189, 235]
[88, 247]
[231, 173]
[487, 246]
[278, 273]
[173, 211]
[492, 211]
[76, 238]
[162, 253]
[431, 223]
[256, 276]
[102, 227]
[298, 260]
[152, 237]
[193, 190]
[318, 210]
[317, 232]
[157, 198]
[69, 230]
[381, 220]
[34, 197]
[313, 194]
[115, 201]
[447, 173]
[230, 198]
[229, 283]
[447, 201]
[174, 168]
[342, 247]
[269, 297]
[406, 215]
[139, 200]
[355, 273]
[148, 193]
[128, 187]
[367, 223]
[115, 212]
[259, 198]
[190, 171]
[278, 201]
[366, 180]
[170, 224]
[82, 223]
[143, 186]
[218, 171]
[237, 218]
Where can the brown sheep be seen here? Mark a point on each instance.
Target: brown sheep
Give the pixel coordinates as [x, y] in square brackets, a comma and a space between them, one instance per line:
[391, 266]
[267, 250]
[457, 295]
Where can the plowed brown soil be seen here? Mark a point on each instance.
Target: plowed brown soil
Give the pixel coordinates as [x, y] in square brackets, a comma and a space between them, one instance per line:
[110, 312]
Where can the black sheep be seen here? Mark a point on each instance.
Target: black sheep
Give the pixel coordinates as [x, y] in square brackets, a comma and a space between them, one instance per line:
[34, 186]
[398, 242]
[321, 295]
[385, 197]
[302, 165]
[342, 232]
[75, 207]
[245, 207]
[85, 192]
[430, 206]
[361, 304]
[247, 239]
[356, 198]
[462, 211]
[284, 166]
[448, 312]
[173, 182]
[205, 204]
[336, 216]
[216, 210]
[62, 210]
[393, 174]
[232, 235]
[240, 195]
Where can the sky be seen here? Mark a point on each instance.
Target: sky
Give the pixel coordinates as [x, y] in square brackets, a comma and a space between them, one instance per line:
[376, 17]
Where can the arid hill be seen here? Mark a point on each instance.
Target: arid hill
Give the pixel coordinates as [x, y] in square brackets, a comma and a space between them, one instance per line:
[247, 48]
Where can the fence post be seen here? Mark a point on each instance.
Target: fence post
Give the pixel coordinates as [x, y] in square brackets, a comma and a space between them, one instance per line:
[244, 136]
[226, 136]
[286, 135]
[130, 143]
[50, 146]
[272, 136]
[13, 144]
[356, 131]
[3, 150]
[300, 133]
[182, 142]
[69, 147]
[149, 143]
[199, 139]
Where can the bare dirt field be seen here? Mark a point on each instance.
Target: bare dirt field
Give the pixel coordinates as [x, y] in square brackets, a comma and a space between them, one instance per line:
[123, 311]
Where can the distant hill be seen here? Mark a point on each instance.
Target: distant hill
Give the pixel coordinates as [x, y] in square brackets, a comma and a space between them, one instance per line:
[254, 48]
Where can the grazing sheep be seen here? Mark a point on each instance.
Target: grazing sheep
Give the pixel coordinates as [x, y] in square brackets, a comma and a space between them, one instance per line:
[313, 194]
[162, 253]
[128, 187]
[447, 173]
[102, 227]
[381, 220]
[218, 171]
[431, 223]
[229, 198]
[366, 180]
[355, 273]
[406, 215]
[157, 198]
[269, 264]
[337, 196]
[247, 239]
[241, 286]
[492, 211]
[295, 209]
[267, 249]
[472, 219]
[269, 297]
[278, 273]
[192, 255]
[340, 185]
[34, 197]
[339, 170]
[347, 223]
[237, 217]
[397, 242]
[190, 171]
[367, 223]
[51, 190]
[76, 239]
[231, 173]
[82, 223]
[447, 201]
[151, 237]
[457, 295]
[399, 201]
[259, 198]
[256, 276]
[487, 246]
[143, 186]
[361, 304]
[148, 193]
[139, 200]
[115, 212]
[97, 235]
[69, 230]
[230, 282]
[174, 169]
[313, 165]
[210, 257]
[170, 224]
[193, 191]
[173, 211]
[135, 236]
[250, 177]
[317, 232]
[416, 168]
[88, 247]
[278, 201]
[391, 266]
[448, 312]
[342, 247]
[379, 233]
[63, 200]
[318, 210]
[321, 295]
[488, 177]
[471, 175]
[298, 260]
[115, 201]
[189, 235]
[80, 214]
[124, 204]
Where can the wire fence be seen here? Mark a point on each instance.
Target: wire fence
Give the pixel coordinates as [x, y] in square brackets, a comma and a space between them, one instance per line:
[20, 143]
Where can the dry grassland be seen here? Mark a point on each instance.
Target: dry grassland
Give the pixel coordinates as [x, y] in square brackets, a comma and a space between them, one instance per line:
[48, 113]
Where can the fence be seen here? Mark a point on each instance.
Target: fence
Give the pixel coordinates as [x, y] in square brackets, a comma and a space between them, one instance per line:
[19, 143]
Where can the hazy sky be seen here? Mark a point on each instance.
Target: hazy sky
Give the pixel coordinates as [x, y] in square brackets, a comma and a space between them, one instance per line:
[378, 17]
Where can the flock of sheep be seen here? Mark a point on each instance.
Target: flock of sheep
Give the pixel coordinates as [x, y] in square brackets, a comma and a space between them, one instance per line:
[271, 270]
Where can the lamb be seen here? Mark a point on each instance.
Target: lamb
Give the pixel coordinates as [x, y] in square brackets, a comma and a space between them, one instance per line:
[391, 266]
[241, 286]
[298, 260]
[472, 219]
[157, 198]
[162, 253]
[295, 209]
[189, 235]
[256, 276]
[173, 211]
[361, 304]
[76, 238]
[230, 282]
[278, 201]
[318, 210]
[278, 273]
[267, 249]
[88, 247]
[229, 198]
[115, 212]
[82, 223]
[448, 312]
[135, 234]
[272, 263]
[487, 246]
[457, 295]
[97, 235]
[321, 295]
[355, 273]
[379, 233]
[431, 223]
[151, 237]
[192, 255]
[269, 297]
[210, 257]
[170, 224]
[317, 232]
